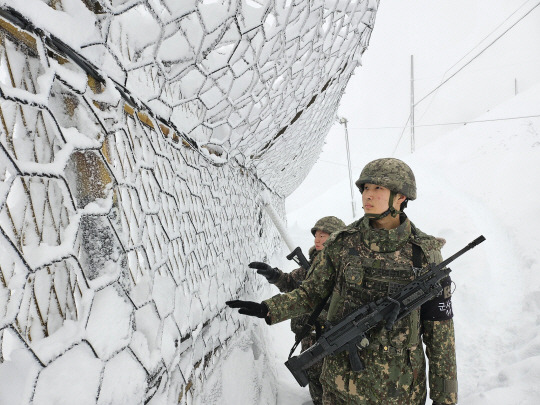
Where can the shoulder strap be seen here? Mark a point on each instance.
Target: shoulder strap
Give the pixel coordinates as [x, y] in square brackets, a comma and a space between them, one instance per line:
[311, 323]
[416, 250]
[416, 256]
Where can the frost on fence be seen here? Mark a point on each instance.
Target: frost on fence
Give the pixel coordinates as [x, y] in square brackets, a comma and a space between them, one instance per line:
[130, 193]
[258, 81]
[119, 246]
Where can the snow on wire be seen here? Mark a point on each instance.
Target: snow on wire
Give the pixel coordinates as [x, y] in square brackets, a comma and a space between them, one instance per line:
[133, 154]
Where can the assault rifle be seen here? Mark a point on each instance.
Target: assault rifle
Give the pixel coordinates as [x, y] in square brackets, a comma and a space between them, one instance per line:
[350, 333]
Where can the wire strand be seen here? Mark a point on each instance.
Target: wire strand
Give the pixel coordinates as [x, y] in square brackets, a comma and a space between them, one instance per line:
[468, 53]
[445, 123]
[477, 55]
[488, 35]
[402, 132]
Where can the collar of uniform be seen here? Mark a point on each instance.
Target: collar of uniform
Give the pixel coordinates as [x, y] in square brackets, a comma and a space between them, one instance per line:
[385, 240]
[313, 253]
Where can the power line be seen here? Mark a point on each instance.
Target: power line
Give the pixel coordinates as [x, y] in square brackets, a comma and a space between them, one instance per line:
[477, 55]
[487, 36]
[476, 46]
[472, 49]
[455, 73]
[446, 123]
[401, 136]
[492, 66]
[476, 121]
[433, 125]
[459, 70]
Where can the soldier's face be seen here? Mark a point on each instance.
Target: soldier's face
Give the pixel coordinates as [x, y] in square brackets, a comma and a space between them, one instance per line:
[375, 198]
[320, 238]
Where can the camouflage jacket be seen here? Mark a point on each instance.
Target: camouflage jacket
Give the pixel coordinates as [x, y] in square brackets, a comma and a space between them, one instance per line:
[360, 264]
[287, 282]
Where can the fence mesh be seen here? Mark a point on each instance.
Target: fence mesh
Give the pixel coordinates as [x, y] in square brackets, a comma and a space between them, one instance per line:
[130, 193]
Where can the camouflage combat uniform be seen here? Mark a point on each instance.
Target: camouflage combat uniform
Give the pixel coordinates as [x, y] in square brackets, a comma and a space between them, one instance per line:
[288, 282]
[361, 264]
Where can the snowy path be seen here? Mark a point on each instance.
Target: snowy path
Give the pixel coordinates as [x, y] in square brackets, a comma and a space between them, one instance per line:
[482, 283]
[289, 392]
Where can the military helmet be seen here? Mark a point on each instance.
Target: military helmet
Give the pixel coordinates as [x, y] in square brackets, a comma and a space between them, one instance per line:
[328, 225]
[391, 173]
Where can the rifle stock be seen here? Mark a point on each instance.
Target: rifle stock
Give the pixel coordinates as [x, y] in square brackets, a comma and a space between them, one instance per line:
[350, 333]
[299, 258]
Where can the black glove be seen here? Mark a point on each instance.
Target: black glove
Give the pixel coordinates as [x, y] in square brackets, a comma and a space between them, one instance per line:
[437, 403]
[271, 273]
[249, 308]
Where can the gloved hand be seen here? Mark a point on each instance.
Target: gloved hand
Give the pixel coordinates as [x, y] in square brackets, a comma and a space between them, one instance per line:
[271, 273]
[249, 308]
[438, 403]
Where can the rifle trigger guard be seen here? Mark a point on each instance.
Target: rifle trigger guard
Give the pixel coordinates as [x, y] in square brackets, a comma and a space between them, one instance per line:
[363, 343]
[393, 315]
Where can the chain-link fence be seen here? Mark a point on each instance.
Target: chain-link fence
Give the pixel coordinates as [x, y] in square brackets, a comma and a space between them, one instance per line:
[130, 193]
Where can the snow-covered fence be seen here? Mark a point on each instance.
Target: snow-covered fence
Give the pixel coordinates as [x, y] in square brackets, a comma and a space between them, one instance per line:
[258, 81]
[117, 243]
[130, 193]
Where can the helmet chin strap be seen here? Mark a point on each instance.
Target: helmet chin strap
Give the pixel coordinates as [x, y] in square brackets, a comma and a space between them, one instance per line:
[390, 211]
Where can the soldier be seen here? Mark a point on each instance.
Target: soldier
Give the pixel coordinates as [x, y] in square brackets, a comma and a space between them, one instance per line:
[287, 282]
[366, 261]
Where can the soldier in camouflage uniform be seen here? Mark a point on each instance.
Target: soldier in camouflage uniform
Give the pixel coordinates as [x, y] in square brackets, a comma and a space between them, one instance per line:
[363, 262]
[287, 282]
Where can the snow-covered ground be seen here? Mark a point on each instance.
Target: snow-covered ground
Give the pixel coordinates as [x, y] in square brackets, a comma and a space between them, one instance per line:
[481, 179]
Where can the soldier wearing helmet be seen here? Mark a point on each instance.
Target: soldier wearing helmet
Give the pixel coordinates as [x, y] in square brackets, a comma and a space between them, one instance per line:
[394, 175]
[368, 260]
[287, 282]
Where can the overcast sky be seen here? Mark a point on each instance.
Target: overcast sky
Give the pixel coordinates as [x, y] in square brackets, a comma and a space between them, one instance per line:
[439, 33]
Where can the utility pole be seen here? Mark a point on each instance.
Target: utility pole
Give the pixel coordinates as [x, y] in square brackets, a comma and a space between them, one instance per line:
[343, 121]
[412, 104]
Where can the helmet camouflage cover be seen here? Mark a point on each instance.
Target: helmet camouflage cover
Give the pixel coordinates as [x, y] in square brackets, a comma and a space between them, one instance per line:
[391, 173]
[328, 225]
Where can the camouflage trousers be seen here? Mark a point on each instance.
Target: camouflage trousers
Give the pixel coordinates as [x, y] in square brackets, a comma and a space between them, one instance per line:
[387, 379]
[314, 373]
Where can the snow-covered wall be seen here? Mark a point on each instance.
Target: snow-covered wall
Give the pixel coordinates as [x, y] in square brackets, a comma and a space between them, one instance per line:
[136, 139]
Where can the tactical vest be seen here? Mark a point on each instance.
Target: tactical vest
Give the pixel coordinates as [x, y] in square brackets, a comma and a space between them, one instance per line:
[365, 275]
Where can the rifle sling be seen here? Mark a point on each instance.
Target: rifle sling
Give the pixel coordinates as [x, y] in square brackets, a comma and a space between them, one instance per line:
[416, 256]
[311, 322]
